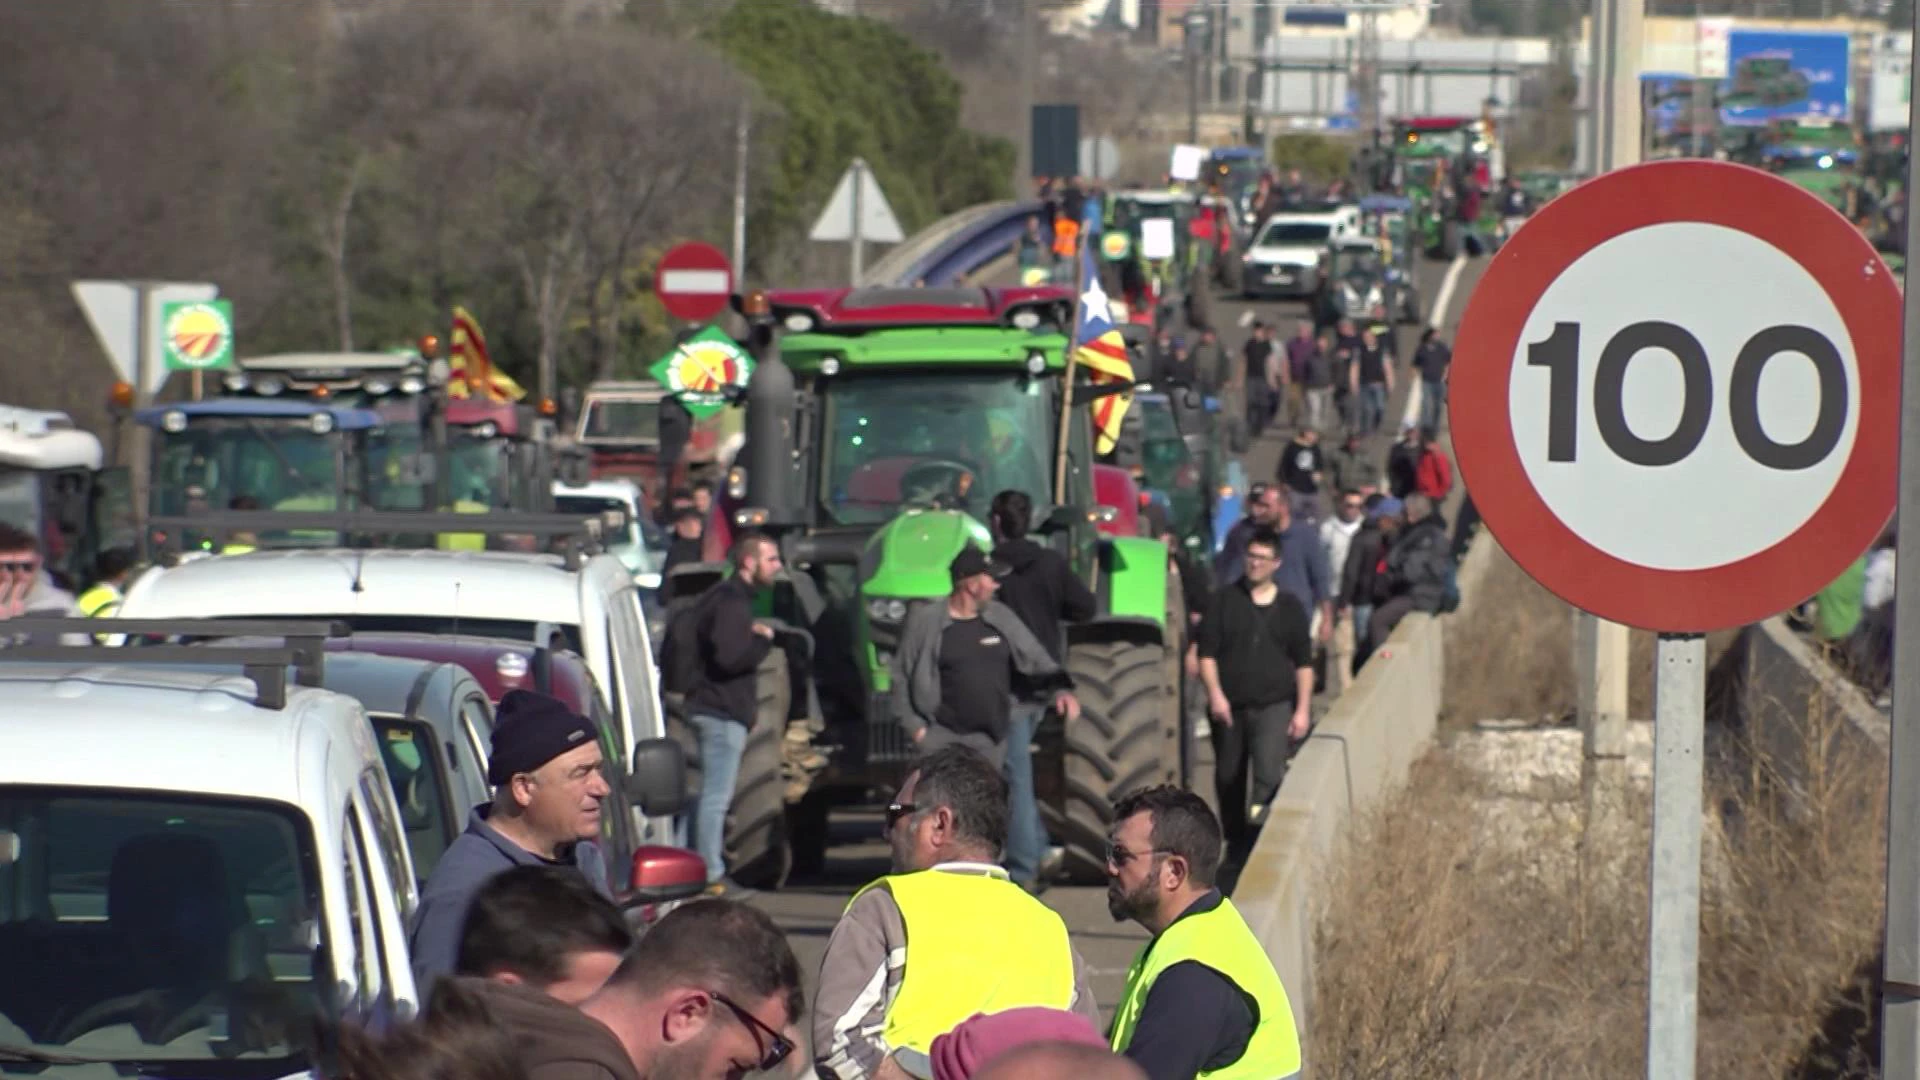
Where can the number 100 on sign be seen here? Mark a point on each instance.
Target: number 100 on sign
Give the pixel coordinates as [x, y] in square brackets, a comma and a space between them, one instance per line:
[1674, 399]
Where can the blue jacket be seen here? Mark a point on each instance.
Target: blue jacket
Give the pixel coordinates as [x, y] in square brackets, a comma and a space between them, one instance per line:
[473, 858]
[1303, 563]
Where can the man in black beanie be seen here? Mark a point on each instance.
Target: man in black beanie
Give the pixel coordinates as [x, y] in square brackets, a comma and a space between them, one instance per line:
[545, 769]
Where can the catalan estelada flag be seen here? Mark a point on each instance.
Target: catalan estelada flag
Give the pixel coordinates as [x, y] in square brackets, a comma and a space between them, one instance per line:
[1098, 346]
[472, 367]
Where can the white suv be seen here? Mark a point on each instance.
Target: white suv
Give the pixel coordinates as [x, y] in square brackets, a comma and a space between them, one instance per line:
[1284, 257]
[590, 600]
[192, 864]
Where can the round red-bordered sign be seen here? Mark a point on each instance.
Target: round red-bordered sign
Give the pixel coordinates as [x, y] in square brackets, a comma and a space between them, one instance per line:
[1747, 587]
[694, 281]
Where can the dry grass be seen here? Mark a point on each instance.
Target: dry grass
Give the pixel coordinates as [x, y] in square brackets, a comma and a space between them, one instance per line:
[1459, 940]
[1514, 659]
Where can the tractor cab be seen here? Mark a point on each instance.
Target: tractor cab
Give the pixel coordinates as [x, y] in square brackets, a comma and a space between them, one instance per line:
[505, 456]
[258, 454]
[631, 428]
[53, 488]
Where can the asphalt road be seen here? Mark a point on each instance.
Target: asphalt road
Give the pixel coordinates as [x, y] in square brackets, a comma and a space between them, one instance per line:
[808, 909]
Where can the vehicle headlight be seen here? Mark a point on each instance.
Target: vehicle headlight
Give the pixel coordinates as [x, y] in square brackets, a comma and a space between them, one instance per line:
[1374, 299]
[413, 384]
[320, 422]
[235, 382]
[376, 387]
[886, 609]
[174, 422]
[486, 429]
[269, 385]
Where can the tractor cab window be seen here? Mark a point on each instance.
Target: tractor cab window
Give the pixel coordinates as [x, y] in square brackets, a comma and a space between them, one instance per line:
[1356, 262]
[481, 471]
[20, 500]
[621, 420]
[950, 440]
[1437, 142]
[279, 464]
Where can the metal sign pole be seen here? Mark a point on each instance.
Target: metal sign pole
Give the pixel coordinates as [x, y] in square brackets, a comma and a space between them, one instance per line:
[1900, 1020]
[859, 181]
[1673, 926]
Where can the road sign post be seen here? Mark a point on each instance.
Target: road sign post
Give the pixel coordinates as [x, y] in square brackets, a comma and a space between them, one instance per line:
[1900, 1022]
[1676, 387]
[856, 213]
[694, 281]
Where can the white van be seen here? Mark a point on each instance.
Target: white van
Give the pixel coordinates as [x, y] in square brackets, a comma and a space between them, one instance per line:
[192, 865]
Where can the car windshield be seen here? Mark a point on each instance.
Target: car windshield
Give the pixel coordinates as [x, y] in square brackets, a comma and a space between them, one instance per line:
[279, 463]
[621, 420]
[638, 551]
[1295, 232]
[932, 438]
[1426, 143]
[159, 929]
[1357, 262]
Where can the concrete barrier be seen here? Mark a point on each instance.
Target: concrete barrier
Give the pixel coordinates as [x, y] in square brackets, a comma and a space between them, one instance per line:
[1361, 751]
[1778, 711]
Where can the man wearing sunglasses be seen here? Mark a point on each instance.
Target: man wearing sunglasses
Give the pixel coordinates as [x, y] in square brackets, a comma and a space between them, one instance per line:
[945, 936]
[706, 994]
[1202, 998]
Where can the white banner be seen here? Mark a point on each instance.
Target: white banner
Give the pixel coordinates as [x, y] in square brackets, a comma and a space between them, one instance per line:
[1888, 90]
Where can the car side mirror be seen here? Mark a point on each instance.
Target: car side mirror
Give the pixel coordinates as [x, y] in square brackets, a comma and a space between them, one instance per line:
[661, 874]
[657, 781]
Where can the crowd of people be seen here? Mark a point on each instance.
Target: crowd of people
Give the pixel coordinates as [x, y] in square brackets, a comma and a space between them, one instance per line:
[943, 969]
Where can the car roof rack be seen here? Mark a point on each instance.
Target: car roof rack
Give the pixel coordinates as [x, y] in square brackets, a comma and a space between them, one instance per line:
[583, 532]
[300, 645]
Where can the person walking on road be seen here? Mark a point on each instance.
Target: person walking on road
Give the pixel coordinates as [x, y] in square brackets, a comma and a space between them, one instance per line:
[724, 703]
[1431, 360]
[1263, 507]
[545, 768]
[1336, 536]
[1042, 590]
[1433, 475]
[1202, 997]
[1302, 470]
[953, 676]
[1403, 462]
[979, 943]
[1300, 352]
[1256, 661]
[1372, 381]
[1349, 466]
[1419, 567]
[1260, 379]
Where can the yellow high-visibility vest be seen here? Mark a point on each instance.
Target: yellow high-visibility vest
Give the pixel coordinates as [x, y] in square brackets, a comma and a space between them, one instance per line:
[101, 601]
[1221, 940]
[954, 919]
[464, 541]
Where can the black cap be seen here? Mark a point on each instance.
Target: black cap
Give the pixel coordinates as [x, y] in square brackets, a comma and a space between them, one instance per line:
[531, 729]
[972, 561]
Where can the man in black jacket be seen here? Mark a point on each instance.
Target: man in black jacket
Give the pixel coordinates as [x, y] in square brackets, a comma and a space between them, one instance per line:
[1363, 582]
[1256, 658]
[1419, 564]
[1040, 588]
[724, 701]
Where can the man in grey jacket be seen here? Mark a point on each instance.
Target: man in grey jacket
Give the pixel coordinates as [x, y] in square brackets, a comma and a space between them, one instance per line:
[953, 675]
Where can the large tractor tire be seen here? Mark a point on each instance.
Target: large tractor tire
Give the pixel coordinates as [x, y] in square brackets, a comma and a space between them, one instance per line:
[1449, 239]
[1123, 741]
[756, 848]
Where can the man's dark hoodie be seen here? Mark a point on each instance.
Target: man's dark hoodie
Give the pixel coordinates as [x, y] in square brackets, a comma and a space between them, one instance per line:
[1042, 589]
[1362, 584]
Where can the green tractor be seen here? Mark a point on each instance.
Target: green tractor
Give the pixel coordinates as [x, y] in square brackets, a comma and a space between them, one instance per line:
[880, 423]
[1435, 153]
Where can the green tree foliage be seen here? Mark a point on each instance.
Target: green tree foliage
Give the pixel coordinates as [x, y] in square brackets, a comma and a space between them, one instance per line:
[847, 88]
[1317, 157]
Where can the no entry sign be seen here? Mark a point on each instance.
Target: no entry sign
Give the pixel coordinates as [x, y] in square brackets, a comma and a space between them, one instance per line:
[694, 281]
[1676, 395]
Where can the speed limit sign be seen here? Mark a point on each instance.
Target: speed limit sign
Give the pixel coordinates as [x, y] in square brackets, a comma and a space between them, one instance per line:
[1675, 395]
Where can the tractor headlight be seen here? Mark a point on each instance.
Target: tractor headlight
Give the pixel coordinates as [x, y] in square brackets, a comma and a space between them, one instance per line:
[830, 366]
[379, 386]
[235, 382]
[269, 385]
[886, 609]
[413, 384]
[320, 422]
[485, 429]
[173, 422]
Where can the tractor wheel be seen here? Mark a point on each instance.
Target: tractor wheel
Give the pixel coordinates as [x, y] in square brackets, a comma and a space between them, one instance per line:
[1449, 239]
[1122, 742]
[757, 855]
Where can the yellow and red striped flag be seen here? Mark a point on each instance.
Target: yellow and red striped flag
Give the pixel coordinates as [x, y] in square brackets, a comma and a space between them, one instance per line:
[472, 367]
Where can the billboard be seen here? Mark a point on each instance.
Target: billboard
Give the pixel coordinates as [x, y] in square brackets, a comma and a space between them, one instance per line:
[1777, 74]
[1892, 75]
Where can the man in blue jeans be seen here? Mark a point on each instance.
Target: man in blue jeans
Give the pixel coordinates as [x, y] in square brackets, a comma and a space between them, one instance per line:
[724, 701]
[1042, 590]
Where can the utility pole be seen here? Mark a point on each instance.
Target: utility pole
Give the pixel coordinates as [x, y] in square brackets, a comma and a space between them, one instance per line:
[1900, 1019]
[1369, 71]
[1023, 180]
[740, 192]
[1196, 20]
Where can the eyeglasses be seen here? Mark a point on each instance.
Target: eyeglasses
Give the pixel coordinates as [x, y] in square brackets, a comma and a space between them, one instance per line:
[1118, 856]
[777, 1047]
[896, 811]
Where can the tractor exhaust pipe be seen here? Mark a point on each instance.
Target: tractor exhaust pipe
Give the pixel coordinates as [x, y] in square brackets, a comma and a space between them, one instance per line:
[769, 452]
